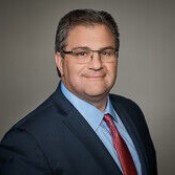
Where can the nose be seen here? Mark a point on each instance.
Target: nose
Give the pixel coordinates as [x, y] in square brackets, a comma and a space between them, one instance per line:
[96, 62]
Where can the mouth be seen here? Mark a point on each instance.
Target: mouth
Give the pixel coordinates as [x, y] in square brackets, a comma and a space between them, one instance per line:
[94, 77]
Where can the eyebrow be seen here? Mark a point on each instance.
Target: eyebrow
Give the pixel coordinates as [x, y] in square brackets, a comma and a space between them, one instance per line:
[88, 48]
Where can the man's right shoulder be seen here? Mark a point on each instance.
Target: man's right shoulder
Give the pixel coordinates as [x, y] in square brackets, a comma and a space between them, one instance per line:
[45, 116]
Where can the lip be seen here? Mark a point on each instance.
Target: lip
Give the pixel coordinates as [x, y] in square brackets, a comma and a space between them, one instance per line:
[95, 76]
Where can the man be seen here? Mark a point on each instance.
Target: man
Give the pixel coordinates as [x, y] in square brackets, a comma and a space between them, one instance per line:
[82, 129]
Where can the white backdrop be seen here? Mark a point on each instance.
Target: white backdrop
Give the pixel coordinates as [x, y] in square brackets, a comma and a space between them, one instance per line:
[146, 62]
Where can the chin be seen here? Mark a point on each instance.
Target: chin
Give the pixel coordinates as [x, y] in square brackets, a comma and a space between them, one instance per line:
[97, 92]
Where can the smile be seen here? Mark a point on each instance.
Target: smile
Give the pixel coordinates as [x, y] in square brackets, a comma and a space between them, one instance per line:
[95, 77]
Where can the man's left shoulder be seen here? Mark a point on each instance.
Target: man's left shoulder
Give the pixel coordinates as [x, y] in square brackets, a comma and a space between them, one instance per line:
[127, 105]
[123, 101]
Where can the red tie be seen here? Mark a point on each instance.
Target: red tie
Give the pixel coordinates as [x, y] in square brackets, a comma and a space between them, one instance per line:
[120, 146]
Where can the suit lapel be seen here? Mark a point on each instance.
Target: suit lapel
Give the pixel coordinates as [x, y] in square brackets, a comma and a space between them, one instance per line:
[134, 134]
[73, 120]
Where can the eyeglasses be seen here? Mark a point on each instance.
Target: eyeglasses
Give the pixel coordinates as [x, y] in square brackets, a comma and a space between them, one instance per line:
[85, 54]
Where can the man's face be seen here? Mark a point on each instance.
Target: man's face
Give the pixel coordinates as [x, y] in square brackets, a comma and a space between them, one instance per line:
[90, 81]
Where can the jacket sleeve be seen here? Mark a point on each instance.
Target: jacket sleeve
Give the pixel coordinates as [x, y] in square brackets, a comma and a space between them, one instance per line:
[20, 154]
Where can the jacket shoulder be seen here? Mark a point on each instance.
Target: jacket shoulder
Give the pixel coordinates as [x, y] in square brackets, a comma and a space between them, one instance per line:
[126, 103]
[132, 109]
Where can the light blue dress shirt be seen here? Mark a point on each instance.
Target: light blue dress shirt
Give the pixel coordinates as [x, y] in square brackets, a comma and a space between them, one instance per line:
[95, 119]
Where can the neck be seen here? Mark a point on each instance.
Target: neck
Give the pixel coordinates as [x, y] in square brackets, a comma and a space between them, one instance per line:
[98, 102]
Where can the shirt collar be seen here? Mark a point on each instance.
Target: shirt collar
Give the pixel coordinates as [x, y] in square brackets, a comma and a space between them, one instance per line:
[90, 113]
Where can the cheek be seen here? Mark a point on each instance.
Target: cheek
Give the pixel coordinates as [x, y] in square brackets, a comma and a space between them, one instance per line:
[112, 71]
[112, 75]
[71, 72]
[67, 69]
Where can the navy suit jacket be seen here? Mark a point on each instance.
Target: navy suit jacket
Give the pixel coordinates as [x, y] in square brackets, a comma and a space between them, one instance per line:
[55, 139]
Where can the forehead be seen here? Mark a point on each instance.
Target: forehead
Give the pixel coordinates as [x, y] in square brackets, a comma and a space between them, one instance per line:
[90, 35]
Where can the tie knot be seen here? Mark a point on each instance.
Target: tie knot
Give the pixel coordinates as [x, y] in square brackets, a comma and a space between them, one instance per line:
[107, 117]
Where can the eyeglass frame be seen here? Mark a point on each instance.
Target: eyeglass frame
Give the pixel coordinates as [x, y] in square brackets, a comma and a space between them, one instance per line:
[99, 51]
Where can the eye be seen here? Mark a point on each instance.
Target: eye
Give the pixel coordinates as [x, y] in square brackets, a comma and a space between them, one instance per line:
[106, 53]
[81, 53]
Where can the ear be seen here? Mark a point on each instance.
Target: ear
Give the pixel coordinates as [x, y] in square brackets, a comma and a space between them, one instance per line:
[59, 62]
